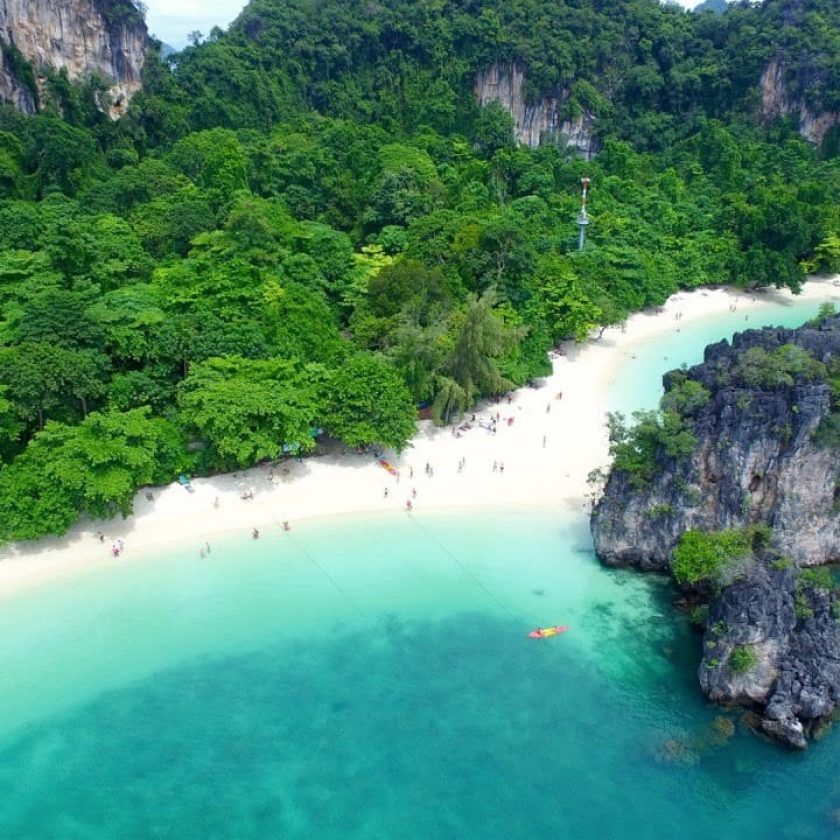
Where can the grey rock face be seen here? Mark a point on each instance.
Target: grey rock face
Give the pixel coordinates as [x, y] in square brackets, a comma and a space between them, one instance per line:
[796, 680]
[776, 101]
[754, 462]
[537, 122]
[76, 36]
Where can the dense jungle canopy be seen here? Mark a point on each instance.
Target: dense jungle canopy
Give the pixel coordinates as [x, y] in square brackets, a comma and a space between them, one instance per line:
[308, 224]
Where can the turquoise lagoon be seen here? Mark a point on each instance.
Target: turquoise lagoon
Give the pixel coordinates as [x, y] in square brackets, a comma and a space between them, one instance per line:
[372, 678]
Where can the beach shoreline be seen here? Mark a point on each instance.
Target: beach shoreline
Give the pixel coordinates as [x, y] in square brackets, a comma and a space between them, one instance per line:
[543, 449]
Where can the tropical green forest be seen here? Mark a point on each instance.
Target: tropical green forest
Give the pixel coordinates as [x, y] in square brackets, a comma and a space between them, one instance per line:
[307, 226]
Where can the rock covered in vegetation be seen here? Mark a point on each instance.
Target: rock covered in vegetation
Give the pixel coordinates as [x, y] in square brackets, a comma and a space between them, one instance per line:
[538, 121]
[754, 459]
[778, 101]
[772, 640]
[732, 488]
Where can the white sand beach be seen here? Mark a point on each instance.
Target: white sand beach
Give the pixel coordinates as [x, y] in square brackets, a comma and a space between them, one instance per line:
[550, 475]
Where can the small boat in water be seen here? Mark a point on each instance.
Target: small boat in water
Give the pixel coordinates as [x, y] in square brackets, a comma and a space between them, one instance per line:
[545, 632]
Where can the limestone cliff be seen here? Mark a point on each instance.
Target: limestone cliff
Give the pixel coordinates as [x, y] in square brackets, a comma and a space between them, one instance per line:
[777, 101]
[534, 122]
[759, 455]
[789, 625]
[83, 37]
[754, 461]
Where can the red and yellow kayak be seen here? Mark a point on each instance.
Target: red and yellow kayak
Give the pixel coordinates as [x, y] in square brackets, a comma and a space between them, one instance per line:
[390, 467]
[545, 632]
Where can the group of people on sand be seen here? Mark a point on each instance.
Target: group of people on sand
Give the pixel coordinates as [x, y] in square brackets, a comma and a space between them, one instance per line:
[117, 547]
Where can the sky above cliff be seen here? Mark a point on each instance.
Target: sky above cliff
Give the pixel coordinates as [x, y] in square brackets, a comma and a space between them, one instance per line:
[173, 22]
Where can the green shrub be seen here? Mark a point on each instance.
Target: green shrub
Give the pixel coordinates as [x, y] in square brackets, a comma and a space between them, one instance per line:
[742, 659]
[778, 369]
[826, 310]
[703, 557]
[827, 434]
[635, 449]
[19, 67]
[781, 563]
[719, 627]
[760, 535]
[802, 606]
[746, 504]
[820, 578]
[693, 496]
[698, 615]
[686, 397]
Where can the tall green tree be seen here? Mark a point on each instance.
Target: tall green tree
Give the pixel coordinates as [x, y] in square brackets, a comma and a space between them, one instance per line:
[94, 468]
[369, 404]
[481, 338]
[248, 409]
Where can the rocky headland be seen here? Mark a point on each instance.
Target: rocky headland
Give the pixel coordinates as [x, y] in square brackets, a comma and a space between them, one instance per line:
[732, 487]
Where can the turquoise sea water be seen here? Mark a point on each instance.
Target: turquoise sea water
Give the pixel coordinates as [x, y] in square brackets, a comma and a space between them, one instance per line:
[372, 678]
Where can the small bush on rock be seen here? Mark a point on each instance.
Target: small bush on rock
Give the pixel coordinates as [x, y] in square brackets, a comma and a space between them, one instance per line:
[742, 659]
[703, 557]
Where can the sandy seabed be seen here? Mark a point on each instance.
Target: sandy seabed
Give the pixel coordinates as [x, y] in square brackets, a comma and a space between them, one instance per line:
[544, 447]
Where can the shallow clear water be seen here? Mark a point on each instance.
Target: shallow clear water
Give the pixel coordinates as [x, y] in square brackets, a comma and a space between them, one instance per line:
[373, 678]
[639, 384]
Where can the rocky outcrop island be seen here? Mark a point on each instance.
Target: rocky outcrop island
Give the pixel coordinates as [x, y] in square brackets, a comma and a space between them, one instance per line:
[733, 487]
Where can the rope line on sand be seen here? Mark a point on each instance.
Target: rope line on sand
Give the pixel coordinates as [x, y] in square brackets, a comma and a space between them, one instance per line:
[308, 555]
[492, 595]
